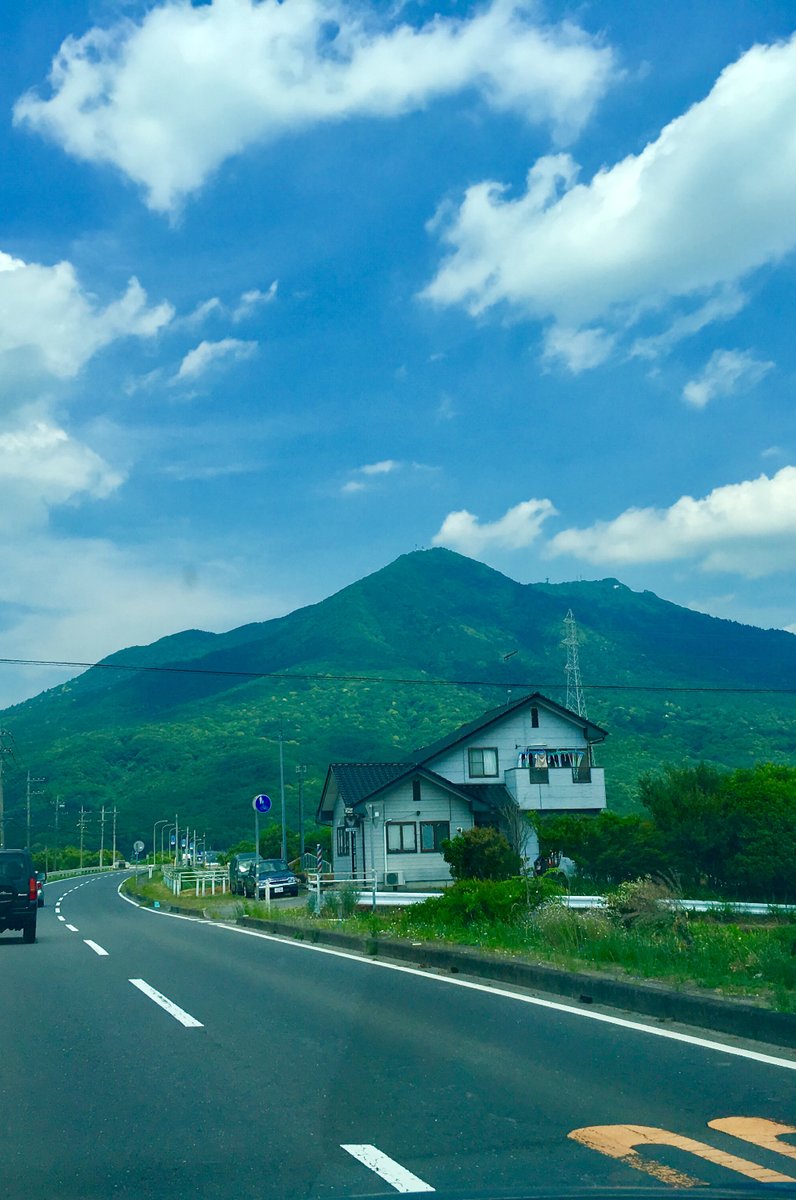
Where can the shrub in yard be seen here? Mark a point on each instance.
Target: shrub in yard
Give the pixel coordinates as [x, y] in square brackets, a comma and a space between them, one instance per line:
[481, 900]
[644, 903]
[481, 853]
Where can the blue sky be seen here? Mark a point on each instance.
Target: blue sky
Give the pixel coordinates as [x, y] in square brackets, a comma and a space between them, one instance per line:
[287, 290]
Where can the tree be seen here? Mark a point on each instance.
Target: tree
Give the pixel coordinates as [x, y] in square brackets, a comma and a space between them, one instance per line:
[481, 853]
[606, 848]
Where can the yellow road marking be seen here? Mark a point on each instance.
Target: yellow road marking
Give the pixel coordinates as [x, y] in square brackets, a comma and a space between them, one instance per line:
[619, 1141]
[759, 1131]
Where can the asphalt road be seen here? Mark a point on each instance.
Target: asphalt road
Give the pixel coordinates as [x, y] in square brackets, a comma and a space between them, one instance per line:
[269, 1058]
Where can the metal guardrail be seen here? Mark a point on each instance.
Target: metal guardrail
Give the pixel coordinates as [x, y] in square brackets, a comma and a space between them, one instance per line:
[742, 907]
[79, 871]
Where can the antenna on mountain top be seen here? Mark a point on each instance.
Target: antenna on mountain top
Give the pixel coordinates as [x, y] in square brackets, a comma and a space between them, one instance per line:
[575, 701]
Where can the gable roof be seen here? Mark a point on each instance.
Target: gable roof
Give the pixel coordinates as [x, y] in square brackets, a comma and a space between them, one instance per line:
[358, 782]
[593, 733]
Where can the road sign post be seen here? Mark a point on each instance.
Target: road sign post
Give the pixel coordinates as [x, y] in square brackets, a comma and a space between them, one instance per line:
[260, 804]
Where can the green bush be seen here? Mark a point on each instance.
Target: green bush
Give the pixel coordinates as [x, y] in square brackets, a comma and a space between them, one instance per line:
[480, 900]
[481, 853]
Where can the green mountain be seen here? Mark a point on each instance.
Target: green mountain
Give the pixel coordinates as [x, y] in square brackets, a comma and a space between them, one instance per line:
[172, 727]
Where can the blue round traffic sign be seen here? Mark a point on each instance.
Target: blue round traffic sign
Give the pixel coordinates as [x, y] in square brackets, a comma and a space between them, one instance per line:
[261, 804]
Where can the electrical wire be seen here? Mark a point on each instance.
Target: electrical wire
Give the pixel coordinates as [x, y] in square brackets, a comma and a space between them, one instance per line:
[414, 681]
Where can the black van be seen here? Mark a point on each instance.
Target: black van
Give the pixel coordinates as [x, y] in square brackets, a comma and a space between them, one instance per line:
[238, 866]
[19, 893]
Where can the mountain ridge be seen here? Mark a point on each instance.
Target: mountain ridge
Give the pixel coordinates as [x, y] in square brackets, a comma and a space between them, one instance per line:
[184, 735]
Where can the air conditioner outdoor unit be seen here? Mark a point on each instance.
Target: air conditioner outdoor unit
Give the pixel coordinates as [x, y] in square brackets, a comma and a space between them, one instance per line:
[395, 878]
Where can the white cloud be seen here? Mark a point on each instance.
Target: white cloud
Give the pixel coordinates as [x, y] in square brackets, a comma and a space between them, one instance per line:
[198, 360]
[727, 303]
[252, 300]
[45, 311]
[41, 467]
[697, 210]
[385, 467]
[748, 528]
[168, 99]
[515, 530]
[352, 486]
[83, 598]
[578, 349]
[725, 372]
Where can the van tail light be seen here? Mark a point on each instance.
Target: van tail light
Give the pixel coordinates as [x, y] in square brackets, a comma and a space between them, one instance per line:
[33, 890]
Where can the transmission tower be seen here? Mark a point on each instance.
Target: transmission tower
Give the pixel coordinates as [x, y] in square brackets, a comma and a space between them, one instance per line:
[575, 701]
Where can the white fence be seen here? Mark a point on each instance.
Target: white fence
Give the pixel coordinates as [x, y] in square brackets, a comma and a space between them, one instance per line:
[201, 883]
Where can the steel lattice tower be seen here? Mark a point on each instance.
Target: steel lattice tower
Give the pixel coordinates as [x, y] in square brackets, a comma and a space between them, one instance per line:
[575, 700]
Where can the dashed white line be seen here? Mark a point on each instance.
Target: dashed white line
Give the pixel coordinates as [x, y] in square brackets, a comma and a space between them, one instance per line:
[74, 928]
[97, 949]
[62, 918]
[170, 1007]
[388, 1169]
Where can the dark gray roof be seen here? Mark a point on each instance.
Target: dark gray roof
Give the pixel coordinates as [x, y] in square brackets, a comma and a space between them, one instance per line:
[485, 795]
[357, 781]
[594, 733]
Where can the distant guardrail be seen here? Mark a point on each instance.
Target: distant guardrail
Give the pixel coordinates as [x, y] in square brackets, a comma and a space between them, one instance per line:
[747, 908]
[80, 871]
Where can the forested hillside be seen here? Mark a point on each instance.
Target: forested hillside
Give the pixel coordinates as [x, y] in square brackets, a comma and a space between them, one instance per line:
[199, 734]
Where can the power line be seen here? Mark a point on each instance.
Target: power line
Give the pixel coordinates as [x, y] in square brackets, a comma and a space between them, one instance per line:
[415, 681]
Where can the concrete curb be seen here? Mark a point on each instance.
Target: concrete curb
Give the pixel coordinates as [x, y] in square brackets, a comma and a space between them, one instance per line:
[145, 902]
[650, 999]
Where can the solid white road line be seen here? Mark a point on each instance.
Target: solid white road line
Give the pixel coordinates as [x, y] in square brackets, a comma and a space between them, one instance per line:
[389, 1170]
[74, 928]
[171, 1008]
[97, 949]
[604, 1018]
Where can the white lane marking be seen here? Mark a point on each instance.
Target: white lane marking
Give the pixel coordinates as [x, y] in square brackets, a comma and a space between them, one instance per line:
[771, 1060]
[97, 949]
[173, 1009]
[74, 928]
[62, 918]
[389, 1170]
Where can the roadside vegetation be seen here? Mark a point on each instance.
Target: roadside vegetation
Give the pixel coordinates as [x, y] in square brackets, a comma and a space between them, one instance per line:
[151, 890]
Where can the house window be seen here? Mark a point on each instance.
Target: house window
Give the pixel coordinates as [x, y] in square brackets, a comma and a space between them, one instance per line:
[415, 791]
[401, 837]
[483, 762]
[534, 718]
[432, 835]
[343, 840]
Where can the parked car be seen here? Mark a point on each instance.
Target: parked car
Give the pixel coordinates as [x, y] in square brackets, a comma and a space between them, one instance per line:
[238, 866]
[41, 879]
[272, 874]
[19, 893]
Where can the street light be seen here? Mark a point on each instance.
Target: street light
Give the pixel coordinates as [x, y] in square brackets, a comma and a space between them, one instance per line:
[154, 837]
[164, 831]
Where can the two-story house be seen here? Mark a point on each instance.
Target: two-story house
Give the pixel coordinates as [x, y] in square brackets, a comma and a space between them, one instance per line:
[392, 817]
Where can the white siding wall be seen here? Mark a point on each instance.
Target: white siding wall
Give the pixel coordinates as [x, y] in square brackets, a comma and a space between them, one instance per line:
[554, 732]
[398, 804]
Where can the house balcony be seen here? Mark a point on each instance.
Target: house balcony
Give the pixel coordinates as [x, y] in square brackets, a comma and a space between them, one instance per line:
[555, 789]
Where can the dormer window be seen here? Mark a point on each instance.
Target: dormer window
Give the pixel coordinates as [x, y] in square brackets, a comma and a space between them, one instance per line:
[483, 762]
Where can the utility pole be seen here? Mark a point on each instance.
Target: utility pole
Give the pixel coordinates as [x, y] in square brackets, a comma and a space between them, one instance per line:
[58, 807]
[102, 837]
[301, 771]
[282, 795]
[4, 750]
[113, 864]
[28, 793]
[82, 827]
